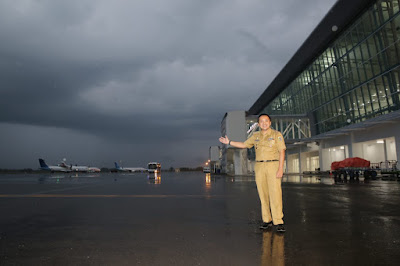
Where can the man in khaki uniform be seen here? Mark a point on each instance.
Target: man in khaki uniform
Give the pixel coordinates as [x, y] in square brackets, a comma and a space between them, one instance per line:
[270, 155]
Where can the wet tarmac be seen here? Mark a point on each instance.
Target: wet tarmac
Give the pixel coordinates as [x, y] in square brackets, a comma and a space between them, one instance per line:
[194, 219]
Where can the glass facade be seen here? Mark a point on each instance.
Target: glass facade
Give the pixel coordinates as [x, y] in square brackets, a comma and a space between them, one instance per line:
[353, 80]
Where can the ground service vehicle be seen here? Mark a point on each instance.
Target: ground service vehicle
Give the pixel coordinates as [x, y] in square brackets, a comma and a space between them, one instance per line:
[354, 167]
[154, 167]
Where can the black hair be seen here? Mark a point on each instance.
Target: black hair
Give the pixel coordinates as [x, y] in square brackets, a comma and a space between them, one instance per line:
[262, 115]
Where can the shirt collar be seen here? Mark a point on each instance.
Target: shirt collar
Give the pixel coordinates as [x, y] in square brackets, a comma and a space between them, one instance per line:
[268, 132]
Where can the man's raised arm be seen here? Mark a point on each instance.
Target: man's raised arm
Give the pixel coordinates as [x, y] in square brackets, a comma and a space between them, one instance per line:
[225, 140]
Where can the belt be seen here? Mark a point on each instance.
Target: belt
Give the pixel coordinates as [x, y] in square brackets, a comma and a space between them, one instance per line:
[266, 161]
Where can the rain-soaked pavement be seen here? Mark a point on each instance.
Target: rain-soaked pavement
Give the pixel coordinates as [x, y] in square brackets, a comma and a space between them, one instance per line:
[194, 219]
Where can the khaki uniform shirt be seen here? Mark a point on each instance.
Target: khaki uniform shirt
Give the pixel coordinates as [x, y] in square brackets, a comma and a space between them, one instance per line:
[267, 146]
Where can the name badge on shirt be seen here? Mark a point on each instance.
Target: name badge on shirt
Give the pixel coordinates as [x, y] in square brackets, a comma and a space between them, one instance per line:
[271, 142]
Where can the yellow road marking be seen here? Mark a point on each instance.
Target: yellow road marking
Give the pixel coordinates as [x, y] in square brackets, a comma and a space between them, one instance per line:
[104, 196]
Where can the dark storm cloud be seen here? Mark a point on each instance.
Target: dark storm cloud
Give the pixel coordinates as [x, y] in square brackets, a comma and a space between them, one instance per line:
[136, 80]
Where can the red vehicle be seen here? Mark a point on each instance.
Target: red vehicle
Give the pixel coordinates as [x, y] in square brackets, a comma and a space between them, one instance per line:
[353, 167]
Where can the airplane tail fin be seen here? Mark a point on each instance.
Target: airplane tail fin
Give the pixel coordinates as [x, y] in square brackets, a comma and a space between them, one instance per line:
[117, 165]
[43, 164]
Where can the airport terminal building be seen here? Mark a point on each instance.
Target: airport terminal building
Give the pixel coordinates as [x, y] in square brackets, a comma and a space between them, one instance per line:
[337, 97]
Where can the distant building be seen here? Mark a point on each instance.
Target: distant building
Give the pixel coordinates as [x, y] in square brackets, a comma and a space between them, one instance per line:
[234, 161]
[215, 159]
[337, 97]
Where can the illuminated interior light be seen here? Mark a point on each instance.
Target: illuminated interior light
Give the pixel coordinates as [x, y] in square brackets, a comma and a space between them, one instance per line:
[342, 147]
[380, 141]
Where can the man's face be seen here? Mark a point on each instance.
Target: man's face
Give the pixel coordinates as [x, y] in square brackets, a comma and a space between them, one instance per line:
[263, 122]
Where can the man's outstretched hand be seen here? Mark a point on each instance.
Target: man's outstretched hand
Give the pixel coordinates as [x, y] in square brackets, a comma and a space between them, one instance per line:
[224, 140]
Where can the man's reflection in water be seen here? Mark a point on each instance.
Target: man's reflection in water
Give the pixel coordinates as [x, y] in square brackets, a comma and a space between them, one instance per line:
[273, 249]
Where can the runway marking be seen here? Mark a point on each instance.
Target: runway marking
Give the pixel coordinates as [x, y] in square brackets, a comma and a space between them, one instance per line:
[61, 189]
[106, 196]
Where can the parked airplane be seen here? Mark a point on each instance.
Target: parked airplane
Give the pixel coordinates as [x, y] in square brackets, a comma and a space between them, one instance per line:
[53, 168]
[94, 170]
[129, 169]
[76, 168]
[80, 168]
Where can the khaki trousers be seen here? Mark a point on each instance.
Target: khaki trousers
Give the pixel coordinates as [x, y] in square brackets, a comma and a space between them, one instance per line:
[270, 191]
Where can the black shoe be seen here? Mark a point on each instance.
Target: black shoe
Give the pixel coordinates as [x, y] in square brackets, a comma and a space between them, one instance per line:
[280, 228]
[266, 225]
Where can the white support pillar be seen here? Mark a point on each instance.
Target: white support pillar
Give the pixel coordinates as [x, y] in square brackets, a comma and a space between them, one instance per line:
[397, 143]
[321, 156]
[385, 153]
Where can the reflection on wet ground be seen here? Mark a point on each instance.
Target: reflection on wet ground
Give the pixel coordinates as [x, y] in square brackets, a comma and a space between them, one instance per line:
[194, 219]
[155, 178]
[307, 179]
[273, 248]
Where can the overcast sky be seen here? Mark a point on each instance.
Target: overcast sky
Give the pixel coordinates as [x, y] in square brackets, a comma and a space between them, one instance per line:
[98, 81]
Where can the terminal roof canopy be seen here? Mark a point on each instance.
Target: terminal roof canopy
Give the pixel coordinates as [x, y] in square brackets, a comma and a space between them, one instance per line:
[338, 18]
